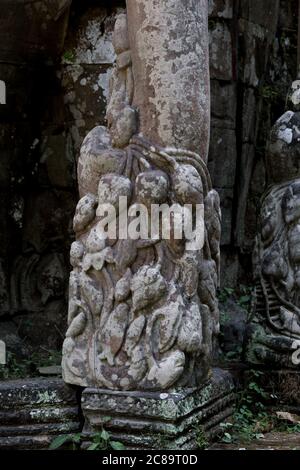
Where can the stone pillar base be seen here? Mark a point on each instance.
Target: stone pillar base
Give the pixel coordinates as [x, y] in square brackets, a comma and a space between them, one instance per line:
[34, 411]
[153, 420]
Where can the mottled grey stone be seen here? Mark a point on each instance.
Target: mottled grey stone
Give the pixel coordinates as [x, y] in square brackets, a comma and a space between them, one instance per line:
[249, 116]
[224, 104]
[246, 168]
[226, 198]
[156, 420]
[34, 411]
[220, 51]
[229, 267]
[220, 9]
[233, 326]
[264, 13]
[222, 157]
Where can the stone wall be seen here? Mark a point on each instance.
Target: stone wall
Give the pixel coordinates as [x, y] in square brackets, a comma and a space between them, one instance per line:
[57, 68]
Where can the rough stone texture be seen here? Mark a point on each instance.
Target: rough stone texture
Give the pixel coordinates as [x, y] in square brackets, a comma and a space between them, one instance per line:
[160, 31]
[143, 312]
[271, 441]
[70, 62]
[220, 52]
[233, 323]
[274, 334]
[57, 84]
[220, 9]
[34, 411]
[160, 420]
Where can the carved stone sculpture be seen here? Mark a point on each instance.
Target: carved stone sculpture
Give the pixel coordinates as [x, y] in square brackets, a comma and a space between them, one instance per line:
[275, 326]
[142, 313]
[142, 309]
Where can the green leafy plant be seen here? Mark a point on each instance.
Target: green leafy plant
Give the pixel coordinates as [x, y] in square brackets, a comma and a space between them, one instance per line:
[71, 441]
[251, 419]
[100, 441]
[17, 368]
[69, 56]
[270, 93]
[201, 438]
[225, 294]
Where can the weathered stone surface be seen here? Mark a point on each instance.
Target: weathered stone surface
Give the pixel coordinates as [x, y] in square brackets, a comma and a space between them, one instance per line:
[245, 172]
[283, 152]
[9, 333]
[274, 334]
[182, 52]
[220, 9]
[272, 441]
[233, 326]
[34, 411]
[160, 420]
[142, 312]
[226, 199]
[41, 21]
[249, 116]
[224, 104]
[220, 51]
[222, 157]
[262, 13]
[229, 267]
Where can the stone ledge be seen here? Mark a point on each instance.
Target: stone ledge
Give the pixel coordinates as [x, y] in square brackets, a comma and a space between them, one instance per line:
[160, 420]
[34, 411]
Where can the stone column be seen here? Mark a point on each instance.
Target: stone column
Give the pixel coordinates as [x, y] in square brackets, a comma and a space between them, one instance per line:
[143, 310]
[169, 46]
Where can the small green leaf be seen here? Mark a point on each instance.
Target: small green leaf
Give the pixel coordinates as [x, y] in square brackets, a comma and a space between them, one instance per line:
[104, 435]
[76, 438]
[244, 299]
[117, 445]
[93, 446]
[59, 441]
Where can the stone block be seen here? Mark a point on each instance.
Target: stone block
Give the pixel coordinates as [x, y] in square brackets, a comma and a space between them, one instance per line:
[250, 107]
[254, 43]
[229, 267]
[34, 24]
[153, 420]
[222, 157]
[220, 51]
[246, 170]
[226, 197]
[89, 40]
[34, 411]
[57, 157]
[264, 13]
[220, 9]
[223, 104]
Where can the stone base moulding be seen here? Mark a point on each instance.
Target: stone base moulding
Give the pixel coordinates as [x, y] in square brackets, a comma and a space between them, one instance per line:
[153, 420]
[34, 411]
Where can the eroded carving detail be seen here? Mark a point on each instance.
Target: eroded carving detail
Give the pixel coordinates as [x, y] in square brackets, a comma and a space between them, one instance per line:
[142, 313]
[275, 327]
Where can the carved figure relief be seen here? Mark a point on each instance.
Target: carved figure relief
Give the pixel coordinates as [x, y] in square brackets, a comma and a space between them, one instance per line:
[275, 327]
[142, 313]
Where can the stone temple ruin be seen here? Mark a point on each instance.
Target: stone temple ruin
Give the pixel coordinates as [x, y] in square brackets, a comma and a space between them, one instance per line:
[156, 104]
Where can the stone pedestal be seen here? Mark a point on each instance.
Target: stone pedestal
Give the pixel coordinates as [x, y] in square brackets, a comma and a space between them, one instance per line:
[153, 420]
[34, 411]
